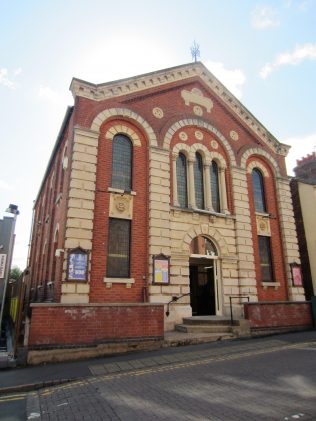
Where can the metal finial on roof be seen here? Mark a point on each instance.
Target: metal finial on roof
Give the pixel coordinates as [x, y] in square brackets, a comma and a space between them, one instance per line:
[195, 51]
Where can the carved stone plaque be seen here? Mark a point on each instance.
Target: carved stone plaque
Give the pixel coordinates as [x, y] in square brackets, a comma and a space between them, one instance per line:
[121, 206]
[263, 225]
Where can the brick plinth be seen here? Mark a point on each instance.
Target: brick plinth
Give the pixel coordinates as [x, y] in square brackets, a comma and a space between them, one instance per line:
[279, 314]
[64, 324]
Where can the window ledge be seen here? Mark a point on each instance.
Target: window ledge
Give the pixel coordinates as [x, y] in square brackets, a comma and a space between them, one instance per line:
[204, 211]
[265, 285]
[263, 214]
[120, 191]
[58, 198]
[127, 281]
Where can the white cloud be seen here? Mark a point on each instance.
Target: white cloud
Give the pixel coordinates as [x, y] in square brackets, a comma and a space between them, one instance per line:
[17, 71]
[46, 93]
[300, 53]
[4, 185]
[300, 146]
[264, 17]
[5, 80]
[232, 79]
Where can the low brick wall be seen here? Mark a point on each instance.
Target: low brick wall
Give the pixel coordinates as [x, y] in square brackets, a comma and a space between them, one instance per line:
[55, 324]
[286, 314]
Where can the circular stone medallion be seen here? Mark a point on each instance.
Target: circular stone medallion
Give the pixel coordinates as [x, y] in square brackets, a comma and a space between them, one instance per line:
[198, 135]
[214, 144]
[234, 135]
[198, 110]
[157, 112]
[183, 136]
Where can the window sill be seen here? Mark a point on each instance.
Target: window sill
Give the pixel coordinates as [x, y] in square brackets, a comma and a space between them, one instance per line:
[265, 285]
[120, 191]
[127, 281]
[58, 199]
[203, 211]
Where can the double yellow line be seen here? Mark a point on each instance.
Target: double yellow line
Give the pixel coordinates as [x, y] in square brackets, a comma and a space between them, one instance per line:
[167, 367]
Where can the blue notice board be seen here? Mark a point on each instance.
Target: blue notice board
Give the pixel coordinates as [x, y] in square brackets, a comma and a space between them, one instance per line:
[78, 265]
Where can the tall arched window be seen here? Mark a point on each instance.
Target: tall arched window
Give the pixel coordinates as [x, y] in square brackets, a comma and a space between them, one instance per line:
[258, 191]
[182, 183]
[215, 187]
[122, 163]
[198, 181]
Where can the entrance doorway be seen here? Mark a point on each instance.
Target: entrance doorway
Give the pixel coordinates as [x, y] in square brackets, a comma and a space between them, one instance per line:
[202, 287]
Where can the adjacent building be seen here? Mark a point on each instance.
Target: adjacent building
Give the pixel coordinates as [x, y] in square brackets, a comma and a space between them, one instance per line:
[159, 186]
[303, 187]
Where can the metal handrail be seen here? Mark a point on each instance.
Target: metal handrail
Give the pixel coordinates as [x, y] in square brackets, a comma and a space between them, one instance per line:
[173, 300]
[231, 306]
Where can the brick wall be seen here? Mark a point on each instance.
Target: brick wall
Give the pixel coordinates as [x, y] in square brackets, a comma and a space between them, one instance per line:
[62, 324]
[268, 293]
[279, 314]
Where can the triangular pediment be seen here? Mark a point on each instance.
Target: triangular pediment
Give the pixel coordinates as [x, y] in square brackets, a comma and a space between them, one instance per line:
[159, 79]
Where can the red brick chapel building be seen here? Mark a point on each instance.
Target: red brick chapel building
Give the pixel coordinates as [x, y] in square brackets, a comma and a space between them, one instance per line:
[159, 186]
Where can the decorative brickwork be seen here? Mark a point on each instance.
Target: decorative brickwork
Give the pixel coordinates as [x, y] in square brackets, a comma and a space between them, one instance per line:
[184, 110]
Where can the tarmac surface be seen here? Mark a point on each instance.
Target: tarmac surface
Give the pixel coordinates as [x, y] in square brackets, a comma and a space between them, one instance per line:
[35, 377]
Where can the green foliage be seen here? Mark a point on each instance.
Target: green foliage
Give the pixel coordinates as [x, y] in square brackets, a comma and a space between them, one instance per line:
[15, 273]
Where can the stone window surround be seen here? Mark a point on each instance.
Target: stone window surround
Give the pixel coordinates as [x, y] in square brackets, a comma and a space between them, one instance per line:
[207, 158]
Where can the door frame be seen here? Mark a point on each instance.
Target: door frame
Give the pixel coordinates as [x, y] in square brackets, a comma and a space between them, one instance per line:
[199, 259]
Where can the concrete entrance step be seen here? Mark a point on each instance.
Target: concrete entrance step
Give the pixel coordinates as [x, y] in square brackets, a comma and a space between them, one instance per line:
[208, 320]
[215, 325]
[177, 338]
[203, 328]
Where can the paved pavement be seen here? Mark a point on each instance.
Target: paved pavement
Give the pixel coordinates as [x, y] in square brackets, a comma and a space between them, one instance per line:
[260, 379]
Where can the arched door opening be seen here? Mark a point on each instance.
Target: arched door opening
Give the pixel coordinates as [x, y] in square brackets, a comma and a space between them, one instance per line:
[204, 288]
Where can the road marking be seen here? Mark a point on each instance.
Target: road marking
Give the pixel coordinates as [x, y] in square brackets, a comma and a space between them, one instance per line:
[10, 398]
[175, 366]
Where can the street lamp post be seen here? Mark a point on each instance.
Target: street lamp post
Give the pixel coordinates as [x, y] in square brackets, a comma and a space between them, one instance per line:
[13, 209]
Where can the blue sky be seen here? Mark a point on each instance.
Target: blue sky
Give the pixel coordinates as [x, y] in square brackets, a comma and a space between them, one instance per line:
[263, 51]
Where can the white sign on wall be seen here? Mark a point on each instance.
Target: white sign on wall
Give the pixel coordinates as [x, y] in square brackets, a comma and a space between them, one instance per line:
[3, 258]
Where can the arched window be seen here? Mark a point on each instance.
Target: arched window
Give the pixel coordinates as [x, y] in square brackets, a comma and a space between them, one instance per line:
[198, 181]
[215, 187]
[258, 191]
[122, 163]
[182, 183]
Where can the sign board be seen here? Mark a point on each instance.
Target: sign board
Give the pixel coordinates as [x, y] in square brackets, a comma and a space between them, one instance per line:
[3, 258]
[296, 275]
[77, 265]
[161, 269]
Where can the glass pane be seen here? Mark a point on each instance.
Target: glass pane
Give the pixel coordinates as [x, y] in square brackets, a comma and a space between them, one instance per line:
[258, 191]
[215, 187]
[265, 259]
[202, 245]
[122, 163]
[182, 181]
[118, 262]
[198, 181]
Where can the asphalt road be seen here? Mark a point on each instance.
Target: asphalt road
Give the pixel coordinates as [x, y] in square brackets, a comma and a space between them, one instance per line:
[268, 379]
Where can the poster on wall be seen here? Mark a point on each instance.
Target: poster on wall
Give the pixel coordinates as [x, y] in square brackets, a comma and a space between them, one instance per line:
[77, 265]
[3, 258]
[161, 269]
[296, 275]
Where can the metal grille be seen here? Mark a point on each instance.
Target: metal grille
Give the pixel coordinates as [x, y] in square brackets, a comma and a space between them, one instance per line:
[265, 259]
[122, 163]
[258, 191]
[182, 183]
[118, 262]
[198, 181]
[215, 187]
